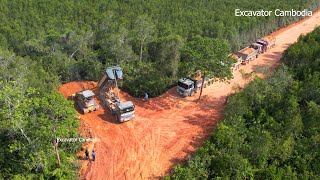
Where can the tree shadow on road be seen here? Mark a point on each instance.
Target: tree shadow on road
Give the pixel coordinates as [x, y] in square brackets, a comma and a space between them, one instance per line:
[170, 99]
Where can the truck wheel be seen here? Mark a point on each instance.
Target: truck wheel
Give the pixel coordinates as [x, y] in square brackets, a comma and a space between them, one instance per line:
[85, 111]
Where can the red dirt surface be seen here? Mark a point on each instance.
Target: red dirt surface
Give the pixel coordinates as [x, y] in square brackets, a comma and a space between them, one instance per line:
[169, 128]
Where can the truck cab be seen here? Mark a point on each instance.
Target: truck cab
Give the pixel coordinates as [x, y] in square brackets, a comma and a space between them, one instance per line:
[186, 87]
[264, 44]
[258, 47]
[124, 111]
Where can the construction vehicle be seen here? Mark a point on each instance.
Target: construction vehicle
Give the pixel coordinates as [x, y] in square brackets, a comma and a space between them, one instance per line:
[190, 86]
[85, 101]
[258, 47]
[267, 42]
[238, 62]
[247, 54]
[123, 111]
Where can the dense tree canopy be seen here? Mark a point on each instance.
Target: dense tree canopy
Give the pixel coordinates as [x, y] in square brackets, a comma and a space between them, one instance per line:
[271, 128]
[32, 115]
[76, 40]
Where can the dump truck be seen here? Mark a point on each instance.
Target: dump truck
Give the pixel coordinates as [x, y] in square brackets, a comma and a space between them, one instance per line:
[237, 64]
[108, 85]
[247, 54]
[267, 42]
[85, 101]
[258, 47]
[189, 86]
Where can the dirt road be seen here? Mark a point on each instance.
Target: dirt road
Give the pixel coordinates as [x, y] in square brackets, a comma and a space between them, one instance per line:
[168, 128]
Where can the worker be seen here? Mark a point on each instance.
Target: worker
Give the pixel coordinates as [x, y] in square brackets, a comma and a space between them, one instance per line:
[146, 97]
[87, 154]
[93, 155]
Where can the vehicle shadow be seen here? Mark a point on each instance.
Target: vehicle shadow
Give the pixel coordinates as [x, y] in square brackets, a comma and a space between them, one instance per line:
[272, 56]
[107, 116]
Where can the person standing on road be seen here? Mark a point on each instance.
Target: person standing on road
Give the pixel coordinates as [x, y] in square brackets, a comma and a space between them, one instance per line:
[93, 155]
[146, 97]
[87, 154]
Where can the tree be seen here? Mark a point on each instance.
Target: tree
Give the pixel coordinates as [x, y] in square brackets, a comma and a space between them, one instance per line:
[210, 56]
[144, 30]
[30, 108]
[120, 47]
[167, 52]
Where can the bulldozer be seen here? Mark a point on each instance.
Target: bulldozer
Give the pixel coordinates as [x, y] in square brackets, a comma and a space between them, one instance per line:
[85, 101]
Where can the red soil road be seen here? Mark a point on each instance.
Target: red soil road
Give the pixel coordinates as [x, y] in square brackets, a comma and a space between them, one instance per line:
[169, 128]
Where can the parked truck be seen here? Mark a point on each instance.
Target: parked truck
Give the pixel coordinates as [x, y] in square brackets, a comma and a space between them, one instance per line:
[247, 54]
[267, 42]
[237, 64]
[109, 95]
[85, 101]
[258, 47]
[190, 86]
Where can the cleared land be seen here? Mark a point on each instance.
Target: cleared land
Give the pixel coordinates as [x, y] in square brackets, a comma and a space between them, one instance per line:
[169, 128]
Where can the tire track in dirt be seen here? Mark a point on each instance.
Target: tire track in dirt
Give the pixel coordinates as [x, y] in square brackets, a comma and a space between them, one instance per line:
[168, 128]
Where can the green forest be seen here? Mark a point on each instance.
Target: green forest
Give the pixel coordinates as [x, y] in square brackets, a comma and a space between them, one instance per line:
[77, 40]
[32, 115]
[45, 43]
[271, 128]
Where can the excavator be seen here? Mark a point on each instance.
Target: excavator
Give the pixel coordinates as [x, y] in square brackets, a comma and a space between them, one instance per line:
[108, 84]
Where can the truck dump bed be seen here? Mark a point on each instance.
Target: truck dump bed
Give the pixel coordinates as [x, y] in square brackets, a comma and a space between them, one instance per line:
[270, 40]
[236, 65]
[247, 53]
